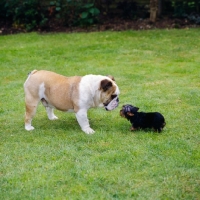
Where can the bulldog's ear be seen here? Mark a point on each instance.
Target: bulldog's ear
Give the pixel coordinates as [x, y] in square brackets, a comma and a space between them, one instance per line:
[111, 77]
[130, 114]
[105, 84]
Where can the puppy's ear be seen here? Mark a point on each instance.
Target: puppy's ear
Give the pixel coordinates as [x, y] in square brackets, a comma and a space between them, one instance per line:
[111, 77]
[130, 114]
[105, 84]
[137, 108]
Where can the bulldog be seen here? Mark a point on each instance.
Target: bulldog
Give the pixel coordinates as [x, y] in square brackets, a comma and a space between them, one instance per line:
[63, 93]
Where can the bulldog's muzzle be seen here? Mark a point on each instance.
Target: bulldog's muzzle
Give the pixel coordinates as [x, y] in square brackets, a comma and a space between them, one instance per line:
[113, 104]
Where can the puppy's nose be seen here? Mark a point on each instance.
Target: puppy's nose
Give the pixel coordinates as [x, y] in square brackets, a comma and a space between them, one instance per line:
[117, 99]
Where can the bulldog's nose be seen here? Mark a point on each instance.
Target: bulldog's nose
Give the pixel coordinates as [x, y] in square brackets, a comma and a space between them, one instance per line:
[117, 99]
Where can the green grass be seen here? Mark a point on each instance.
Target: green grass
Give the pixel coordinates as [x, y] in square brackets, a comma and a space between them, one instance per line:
[155, 70]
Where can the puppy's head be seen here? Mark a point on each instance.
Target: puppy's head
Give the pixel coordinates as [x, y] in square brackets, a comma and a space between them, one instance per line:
[128, 111]
[109, 93]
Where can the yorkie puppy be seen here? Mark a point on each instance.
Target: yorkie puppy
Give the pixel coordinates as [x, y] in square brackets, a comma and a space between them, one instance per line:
[142, 120]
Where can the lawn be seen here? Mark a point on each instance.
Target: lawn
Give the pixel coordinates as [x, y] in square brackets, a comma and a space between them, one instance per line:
[157, 70]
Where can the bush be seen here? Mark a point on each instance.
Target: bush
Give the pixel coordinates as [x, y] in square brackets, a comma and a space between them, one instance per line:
[75, 12]
[24, 14]
[7, 9]
[187, 9]
[33, 14]
[30, 15]
[182, 8]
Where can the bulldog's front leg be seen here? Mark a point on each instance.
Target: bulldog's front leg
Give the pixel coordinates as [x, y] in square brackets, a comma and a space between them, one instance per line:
[83, 121]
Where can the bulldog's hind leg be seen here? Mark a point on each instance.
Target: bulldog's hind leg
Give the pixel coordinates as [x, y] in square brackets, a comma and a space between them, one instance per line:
[49, 110]
[50, 113]
[31, 107]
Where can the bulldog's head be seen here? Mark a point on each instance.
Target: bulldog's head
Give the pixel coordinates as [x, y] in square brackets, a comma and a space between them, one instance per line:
[109, 93]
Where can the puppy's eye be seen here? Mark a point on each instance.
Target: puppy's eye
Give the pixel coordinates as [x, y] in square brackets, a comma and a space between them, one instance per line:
[113, 96]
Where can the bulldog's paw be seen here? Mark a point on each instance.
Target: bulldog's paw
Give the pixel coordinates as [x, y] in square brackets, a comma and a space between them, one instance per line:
[29, 127]
[88, 130]
[53, 117]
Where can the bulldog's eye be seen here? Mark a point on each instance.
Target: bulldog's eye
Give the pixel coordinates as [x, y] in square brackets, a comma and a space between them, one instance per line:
[113, 96]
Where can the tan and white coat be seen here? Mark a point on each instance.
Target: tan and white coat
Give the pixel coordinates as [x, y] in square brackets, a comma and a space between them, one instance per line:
[63, 93]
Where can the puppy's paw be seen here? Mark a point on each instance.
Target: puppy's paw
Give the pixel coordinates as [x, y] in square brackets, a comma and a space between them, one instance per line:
[29, 127]
[132, 128]
[88, 130]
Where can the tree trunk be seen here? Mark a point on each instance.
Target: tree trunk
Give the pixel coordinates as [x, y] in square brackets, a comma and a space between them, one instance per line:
[153, 10]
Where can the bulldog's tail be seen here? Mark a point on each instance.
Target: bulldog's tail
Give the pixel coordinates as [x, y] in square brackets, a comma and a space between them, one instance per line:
[32, 72]
[29, 74]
